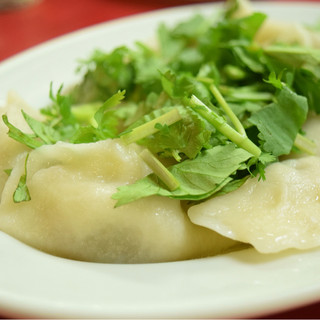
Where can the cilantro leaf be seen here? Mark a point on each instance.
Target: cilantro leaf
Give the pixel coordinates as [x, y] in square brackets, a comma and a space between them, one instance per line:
[29, 140]
[280, 122]
[198, 178]
[22, 192]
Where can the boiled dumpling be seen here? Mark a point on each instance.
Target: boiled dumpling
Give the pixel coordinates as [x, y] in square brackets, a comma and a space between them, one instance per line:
[279, 213]
[286, 32]
[71, 213]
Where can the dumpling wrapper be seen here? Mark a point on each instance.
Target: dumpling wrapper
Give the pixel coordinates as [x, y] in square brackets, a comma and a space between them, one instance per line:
[71, 213]
[279, 213]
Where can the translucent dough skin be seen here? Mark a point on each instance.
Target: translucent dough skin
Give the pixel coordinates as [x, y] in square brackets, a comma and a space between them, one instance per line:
[71, 213]
[280, 213]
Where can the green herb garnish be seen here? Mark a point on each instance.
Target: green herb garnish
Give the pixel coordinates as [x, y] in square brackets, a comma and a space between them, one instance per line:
[22, 192]
[209, 100]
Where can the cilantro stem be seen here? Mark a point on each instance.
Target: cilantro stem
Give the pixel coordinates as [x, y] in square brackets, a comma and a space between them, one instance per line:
[224, 105]
[305, 145]
[85, 113]
[234, 72]
[241, 140]
[160, 170]
[149, 128]
[176, 156]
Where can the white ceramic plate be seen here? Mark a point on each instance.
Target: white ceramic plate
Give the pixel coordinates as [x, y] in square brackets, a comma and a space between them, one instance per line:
[241, 284]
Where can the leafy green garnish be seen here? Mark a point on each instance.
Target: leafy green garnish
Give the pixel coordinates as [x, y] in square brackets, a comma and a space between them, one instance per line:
[198, 178]
[160, 170]
[152, 126]
[22, 192]
[208, 100]
[280, 122]
[29, 140]
[7, 172]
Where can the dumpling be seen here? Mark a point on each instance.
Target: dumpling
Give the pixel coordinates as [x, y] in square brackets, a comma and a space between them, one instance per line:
[279, 213]
[286, 32]
[71, 213]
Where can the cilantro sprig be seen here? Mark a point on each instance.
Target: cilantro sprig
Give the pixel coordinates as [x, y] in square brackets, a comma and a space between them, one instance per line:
[210, 106]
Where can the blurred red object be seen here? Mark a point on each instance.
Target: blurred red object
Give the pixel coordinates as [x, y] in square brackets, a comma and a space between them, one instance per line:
[24, 27]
